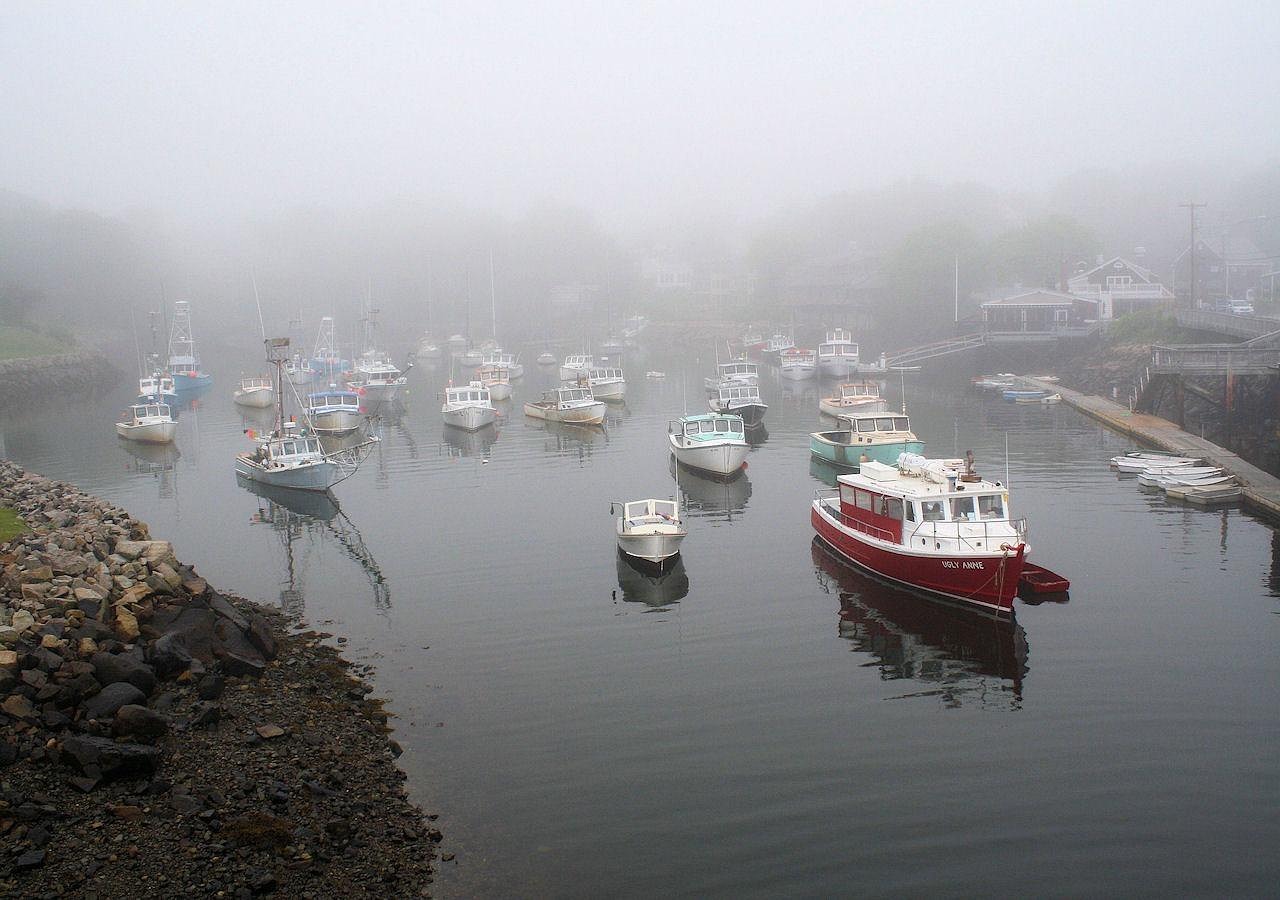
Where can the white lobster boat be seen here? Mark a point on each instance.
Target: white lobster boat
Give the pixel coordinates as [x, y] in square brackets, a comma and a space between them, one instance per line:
[335, 413]
[649, 531]
[508, 361]
[157, 388]
[299, 371]
[574, 405]
[255, 392]
[429, 348]
[797, 364]
[497, 379]
[149, 423]
[379, 379]
[709, 443]
[468, 407]
[838, 354]
[855, 396]
[607, 384]
[575, 365]
[291, 459]
[737, 371]
[546, 358]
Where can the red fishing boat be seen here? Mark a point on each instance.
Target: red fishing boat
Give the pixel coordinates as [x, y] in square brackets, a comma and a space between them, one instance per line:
[930, 524]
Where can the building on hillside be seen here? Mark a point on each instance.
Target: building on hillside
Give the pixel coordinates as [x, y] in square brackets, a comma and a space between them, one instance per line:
[1228, 265]
[665, 274]
[1040, 315]
[837, 290]
[1119, 287]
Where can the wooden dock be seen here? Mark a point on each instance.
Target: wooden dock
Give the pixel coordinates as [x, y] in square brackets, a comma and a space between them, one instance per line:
[1261, 489]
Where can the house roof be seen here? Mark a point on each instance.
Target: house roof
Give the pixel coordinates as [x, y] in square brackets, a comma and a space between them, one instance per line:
[1144, 273]
[1041, 297]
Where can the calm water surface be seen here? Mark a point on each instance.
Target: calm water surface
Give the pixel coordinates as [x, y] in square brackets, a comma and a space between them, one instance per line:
[764, 720]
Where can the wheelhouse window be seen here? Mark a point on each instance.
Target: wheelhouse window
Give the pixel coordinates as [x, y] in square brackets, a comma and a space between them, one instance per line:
[991, 506]
[910, 511]
[892, 507]
[722, 424]
[866, 425]
[690, 427]
[901, 423]
[932, 511]
[864, 500]
[884, 424]
[736, 426]
[962, 509]
[665, 508]
[707, 427]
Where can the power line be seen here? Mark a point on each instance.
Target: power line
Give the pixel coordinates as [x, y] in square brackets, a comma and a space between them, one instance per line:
[1193, 206]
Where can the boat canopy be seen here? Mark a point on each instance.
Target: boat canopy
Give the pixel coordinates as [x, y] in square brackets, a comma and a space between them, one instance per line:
[322, 399]
[866, 423]
[857, 389]
[730, 369]
[473, 393]
[573, 394]
[640, 509]
[739, 392]
[151, 411]
[709, 425]
[604, 374]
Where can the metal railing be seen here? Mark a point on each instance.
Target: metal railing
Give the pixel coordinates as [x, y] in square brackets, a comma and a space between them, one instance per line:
[1213, 357]
[955, 531]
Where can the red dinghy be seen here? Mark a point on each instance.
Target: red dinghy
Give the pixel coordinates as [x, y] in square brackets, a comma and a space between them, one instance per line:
[1039, 580]
[934, 525]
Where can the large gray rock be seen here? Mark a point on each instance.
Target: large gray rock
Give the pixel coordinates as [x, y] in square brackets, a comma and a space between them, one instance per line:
[103, 705]
[139, 723]
[97, 756]
[110, 668]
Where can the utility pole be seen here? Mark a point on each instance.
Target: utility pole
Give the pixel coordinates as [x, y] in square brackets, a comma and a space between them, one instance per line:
[1193, 206]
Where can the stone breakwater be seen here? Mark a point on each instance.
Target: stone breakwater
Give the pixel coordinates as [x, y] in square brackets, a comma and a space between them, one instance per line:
[159, 739]
[65, 373]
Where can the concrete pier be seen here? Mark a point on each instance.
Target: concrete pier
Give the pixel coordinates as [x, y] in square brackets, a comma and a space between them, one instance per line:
[1261, 489]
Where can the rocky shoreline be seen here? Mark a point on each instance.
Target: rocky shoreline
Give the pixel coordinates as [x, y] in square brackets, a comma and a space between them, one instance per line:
[159, 738]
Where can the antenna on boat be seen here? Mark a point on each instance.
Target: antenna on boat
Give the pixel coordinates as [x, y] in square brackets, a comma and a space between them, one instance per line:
[903, 374]
[258, 302]
[493, 301]
[137, 347]
[1006, 460]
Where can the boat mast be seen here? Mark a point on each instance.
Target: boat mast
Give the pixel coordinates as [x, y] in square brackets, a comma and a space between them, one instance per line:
[277, 353]
[493, 301]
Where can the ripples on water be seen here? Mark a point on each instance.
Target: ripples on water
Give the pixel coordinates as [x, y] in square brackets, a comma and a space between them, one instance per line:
[762, 719]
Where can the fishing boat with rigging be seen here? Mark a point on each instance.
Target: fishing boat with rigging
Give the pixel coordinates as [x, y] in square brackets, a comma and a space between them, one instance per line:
[157, 388]
[375, 374]
[148, 423]
[736, 371]
[184, 360]
[496, 379]
[607, 383]
[934, 525]
[797, 364]
[575, 364]
[709, 442]
[293, 457]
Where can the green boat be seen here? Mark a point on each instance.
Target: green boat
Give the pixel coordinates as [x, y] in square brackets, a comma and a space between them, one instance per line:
[866, 436]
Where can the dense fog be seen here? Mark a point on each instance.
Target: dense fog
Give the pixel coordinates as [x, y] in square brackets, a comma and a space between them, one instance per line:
[328, 152]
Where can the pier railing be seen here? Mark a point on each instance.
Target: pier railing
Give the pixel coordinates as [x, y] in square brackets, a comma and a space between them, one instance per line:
[1230, 324]
[1237, 358]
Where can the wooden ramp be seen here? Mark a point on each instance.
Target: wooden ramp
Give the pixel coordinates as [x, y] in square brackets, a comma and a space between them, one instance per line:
[1261, 490]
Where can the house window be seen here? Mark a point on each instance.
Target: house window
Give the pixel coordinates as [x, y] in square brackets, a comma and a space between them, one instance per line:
[1061, 316]
[1119, 281]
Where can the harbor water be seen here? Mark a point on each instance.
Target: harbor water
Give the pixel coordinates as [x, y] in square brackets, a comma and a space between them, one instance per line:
[763, 720]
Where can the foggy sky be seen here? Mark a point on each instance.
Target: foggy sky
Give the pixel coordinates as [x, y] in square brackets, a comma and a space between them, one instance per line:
[209, 110]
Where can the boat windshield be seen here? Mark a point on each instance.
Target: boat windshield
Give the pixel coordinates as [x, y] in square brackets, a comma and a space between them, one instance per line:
[901, 423]
[962, 509]
[722, 424]
[991, 506]
[707, 427]
[884, 424]
[665, 508]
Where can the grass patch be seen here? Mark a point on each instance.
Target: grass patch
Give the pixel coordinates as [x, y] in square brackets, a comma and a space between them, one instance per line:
[22, 343]
[10, 525]
[1149, 326]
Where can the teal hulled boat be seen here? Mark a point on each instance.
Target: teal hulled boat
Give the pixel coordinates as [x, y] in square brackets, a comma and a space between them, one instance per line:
[866, 436]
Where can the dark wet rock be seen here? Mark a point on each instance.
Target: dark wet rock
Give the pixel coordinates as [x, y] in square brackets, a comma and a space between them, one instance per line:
[104, 704]
[111, 668]
[109, 759]
[211, 687]
[30, 860]
[205, 714]
[139, 723]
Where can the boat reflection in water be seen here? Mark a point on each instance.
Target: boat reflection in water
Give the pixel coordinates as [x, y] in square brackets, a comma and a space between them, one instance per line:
[460, 444]
[158, 461]
[824, 472]
[658, 591]
[314, 517]
[567, 439]
[708, 497]
[961, 656]
[756, 434]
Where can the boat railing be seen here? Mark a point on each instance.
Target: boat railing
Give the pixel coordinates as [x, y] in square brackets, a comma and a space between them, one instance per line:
[831, 502]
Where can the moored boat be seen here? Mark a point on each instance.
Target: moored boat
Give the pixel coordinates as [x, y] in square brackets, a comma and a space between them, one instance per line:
[607, 383]
[709, 442]
[1022, 396]
[742, 400]
[855, 396]
[184, 361]
[334, 412]
[838, 354]
[575, 364]
[498, 357]
[546, 358]
[797, 364]
[571, 404]
[468, 407]
[649, 531]
[156, 388]
[255, 392]
[932, 525]
[148, 423]
[736, 371]
[496, 379]
[882, 437]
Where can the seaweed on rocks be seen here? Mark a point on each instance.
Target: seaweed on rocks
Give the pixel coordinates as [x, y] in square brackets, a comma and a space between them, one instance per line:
[159, 738]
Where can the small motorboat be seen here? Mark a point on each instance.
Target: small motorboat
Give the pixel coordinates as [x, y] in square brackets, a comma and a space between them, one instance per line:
[546, 358]
[1021, 396]
[607, 384]
[855, 396]
[184, 361]
[709, 442]
[654, 375]
[292, 458]
[738, 371]
[469, 407]
[796, 364]
[255, 392]
[1039, 580]
[574, 405]
[649, 531]
[498, 357]
[838, 354]
[335, 413]
[1136, 465]
[882, 437]
[156, 388]
[148, 423]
